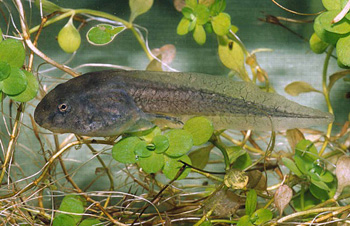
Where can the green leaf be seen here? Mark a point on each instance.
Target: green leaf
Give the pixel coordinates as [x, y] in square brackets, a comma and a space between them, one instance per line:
[152, 164]
[307, 150]
[250, 202]
[324, 174]
[180, 142]
[217, 7]
[309, 201]
[161, 143]
[202, 14]
[15, 84]
[200, 128]
[183, 26]
[262, 216]
[341, 27]
[320, 184]
[323, 34]
[69, 37]
[123, 151]
[64, 219]
[139, 7]
[12, 52]
[191, 3]
[245, 221]
[199, 34]
[343, 50]
[200, 157]
[234, 152]
[103, 34]
[232, 56]
[206, 223]
[298, 87]
[5, 70]
[48, 6]
[149, 136]
[331, 4]
[303, 165]
[72, 204]
[292, 166]
[141, 150]
[31, 90]
[221, 24]
[242, 162]
[192, 25]
[319, 193]
[90, 222]
[0, 35]
[335, 77]
[317, 45]
[188, 13]
[172, 167]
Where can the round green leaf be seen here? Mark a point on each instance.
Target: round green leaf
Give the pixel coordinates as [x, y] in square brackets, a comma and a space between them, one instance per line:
[69, 37]
[31, 91]
[202, 14]
[317, 45]
[221, 24]
[199, 34]
[5, 70]
[64, 219]
[141, 150]
[341, 27]
[152, 164]
[103, 34]
[331, 4]
[191, 3]
[343, 50]
[123, 151]
[139, 7]
[172, 166]
[15, 84]
[161, 143]
[180, 142]
[231, 55]
[323, 34]
[12, 52]
[90, 222]
[72, 204]
[245, 221]
[183, 26]
[200, 128]
[262, 216]
[149, 136]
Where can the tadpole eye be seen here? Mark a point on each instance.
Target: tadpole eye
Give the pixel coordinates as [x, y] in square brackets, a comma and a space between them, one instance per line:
[63, 107]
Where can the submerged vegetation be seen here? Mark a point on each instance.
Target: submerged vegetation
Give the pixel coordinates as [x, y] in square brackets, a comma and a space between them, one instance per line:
[188, 175]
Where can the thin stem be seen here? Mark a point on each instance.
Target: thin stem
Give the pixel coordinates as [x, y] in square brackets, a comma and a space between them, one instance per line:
[13, 139]
[326, 95]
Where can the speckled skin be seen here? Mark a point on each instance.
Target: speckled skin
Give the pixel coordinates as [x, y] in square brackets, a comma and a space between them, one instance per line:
[106, 103]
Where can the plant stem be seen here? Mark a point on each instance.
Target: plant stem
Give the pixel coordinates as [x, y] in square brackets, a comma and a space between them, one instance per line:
[326, 95]
[99, 14]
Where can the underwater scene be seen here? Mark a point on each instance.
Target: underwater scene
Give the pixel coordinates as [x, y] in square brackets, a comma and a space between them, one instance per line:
[174, 112]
